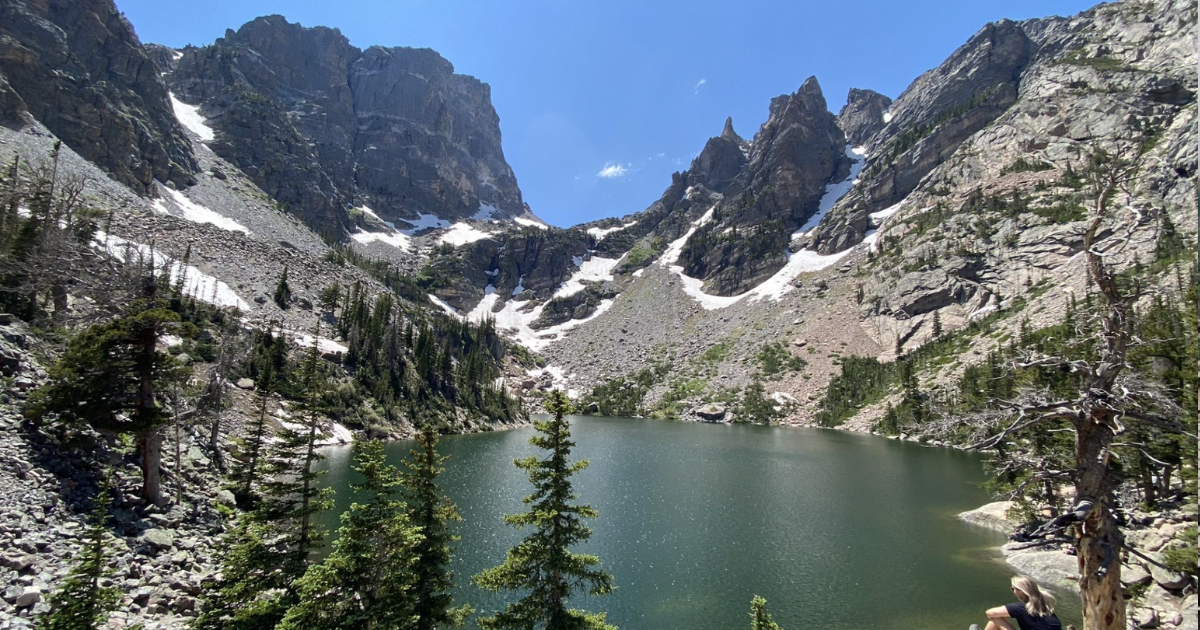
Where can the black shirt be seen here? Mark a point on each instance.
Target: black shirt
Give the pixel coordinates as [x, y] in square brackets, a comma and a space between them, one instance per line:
[1028, 622]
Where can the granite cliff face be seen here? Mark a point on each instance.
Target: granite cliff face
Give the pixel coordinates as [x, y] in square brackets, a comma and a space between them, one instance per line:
[1052, 84]
[322, 126]
[77, 67]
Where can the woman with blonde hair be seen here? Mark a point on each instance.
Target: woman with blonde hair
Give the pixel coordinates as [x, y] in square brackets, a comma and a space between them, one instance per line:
[1033, 610]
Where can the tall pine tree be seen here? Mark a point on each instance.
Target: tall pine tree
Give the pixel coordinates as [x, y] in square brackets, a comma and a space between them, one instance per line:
[113, 377]
[543, 566]
[270, 549]
[367, 582]
[432, 513]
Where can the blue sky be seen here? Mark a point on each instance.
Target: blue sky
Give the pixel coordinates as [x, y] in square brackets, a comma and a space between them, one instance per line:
[600, 102]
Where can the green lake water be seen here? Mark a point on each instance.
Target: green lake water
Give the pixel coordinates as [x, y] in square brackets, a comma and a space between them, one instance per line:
[836, 530]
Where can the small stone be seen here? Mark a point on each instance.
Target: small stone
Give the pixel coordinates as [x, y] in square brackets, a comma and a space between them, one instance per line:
[1134, 574]
[158, 538]
[1146, 618]
[17, 563]
[245, 383]
[29, 597]
[225, 497]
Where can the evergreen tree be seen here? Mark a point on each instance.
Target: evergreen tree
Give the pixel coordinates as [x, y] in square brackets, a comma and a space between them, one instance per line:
[432, 513]
[269, 552]
[113, 377]
[81, 603]
[760, 619]
[291, 495]
[367, 582]
[283, 293]
[937, 324]
[543, 566]
[249, 593]
[247, 471]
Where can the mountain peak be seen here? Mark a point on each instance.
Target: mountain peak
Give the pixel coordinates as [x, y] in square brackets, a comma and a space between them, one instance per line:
[728, 133]
[863, 115]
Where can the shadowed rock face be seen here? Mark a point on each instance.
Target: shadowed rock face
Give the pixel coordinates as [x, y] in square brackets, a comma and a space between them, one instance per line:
[862, 115]
[721, 160]
[78, 68]
[323, 126]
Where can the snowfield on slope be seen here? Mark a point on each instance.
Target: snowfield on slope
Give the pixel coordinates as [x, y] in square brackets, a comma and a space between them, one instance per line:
[204, 287]
[189, 116]
[197, 213]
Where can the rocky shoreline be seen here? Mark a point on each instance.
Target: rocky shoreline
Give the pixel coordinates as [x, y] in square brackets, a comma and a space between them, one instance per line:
[1165, 599]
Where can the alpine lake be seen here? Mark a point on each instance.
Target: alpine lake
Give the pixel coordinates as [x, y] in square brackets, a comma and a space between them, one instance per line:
[836, 530]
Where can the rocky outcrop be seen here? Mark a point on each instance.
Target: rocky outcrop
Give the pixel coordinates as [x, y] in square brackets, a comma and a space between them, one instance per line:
[322, 126]
[796, 153]
[721, 160]
[863, 115]
[576, 306]
[1043, 91]
[77, 67]
[536, 260]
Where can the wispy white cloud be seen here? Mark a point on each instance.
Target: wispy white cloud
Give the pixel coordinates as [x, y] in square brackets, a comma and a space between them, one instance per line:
[699, 84]
[612, 171]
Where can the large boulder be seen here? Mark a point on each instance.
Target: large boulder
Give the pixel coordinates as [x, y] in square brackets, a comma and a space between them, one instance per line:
[712, 412]
[992, 516]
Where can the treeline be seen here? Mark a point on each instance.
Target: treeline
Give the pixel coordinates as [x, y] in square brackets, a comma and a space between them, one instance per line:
[400, 363]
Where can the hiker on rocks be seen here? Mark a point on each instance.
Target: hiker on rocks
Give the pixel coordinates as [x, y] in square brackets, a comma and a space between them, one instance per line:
[1034, 609]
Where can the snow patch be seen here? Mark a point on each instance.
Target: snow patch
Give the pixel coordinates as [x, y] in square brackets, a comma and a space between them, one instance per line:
[335, 435]
[462, 233]
[600, 233]
[531, 223]
[887, 117]
[774, 287]
[189, 116]
[594, 269]
[487, 212]
[324, 344]
[395, 239]
[783, 398]
[514, 319]
[834, 192]
[197, 213]
[425, 222]
[206, 288]
[802, 261]
[520, 288]
[369, 212]
[444, 306]
[886, 212]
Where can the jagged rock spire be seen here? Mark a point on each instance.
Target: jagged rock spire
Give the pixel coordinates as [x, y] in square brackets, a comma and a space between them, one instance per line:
[728, 133]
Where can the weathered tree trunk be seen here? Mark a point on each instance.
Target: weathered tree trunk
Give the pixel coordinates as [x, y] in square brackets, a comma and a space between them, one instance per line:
[58, 291]
[1147, 483]
[150, 446]
[214, 442]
